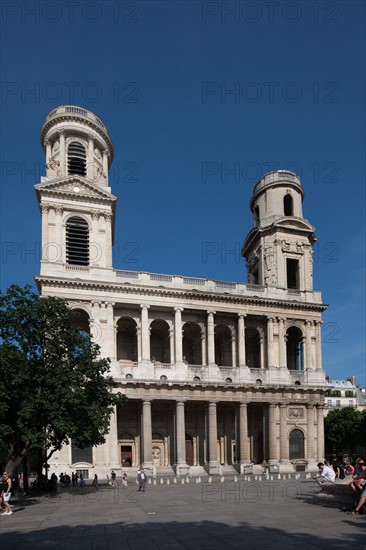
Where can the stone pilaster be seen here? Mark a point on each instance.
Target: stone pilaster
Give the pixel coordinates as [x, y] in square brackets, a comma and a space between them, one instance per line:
[178, 334]
[211, 337]
[318, 345]
[284, 443]
[273, 440]
[270, 347]
[90, 158]
[241, 338]
[63, 159]
[320, 420]
[145, 336]
[213, 465]
[311, 437]
[282, 343]
[181, 464]
[244, 441]
[146, 434]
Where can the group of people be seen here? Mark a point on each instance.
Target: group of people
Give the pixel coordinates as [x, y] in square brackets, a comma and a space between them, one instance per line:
[329, 473]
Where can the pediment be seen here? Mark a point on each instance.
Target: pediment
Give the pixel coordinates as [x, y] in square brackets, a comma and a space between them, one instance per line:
[76, 186]
[294, 223]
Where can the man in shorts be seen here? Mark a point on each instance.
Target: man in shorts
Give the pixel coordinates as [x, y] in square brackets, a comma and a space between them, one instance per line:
[6, 494]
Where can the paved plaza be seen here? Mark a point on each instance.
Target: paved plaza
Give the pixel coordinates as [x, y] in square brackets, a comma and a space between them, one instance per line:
[246, 514]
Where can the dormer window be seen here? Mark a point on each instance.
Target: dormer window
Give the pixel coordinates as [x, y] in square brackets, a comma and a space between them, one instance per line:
[76, 159]
[77, 241]
[288, 205]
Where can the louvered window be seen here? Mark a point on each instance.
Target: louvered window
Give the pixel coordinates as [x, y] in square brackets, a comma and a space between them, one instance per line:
[76, 159]
[77, 241]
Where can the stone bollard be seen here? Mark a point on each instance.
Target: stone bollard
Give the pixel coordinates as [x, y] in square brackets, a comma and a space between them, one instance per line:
[222, 479]
[161, 481]
[209, 479]
[289, 476]
[271, 478]
[154, 481]
[278, 476]
[235, 479]
[255, 478]
[283, 477]
[182, 481]
[149, 481]
[199, 479]
[168, 481]
[175, 480]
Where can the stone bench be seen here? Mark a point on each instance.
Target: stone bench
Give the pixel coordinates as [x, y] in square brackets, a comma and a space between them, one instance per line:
[337, 493]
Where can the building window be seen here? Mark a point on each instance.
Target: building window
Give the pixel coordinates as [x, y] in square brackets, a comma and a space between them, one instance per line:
[77, 241]
[81, 455]
[338, 402]
[294, 349]
[292, 268]
[350, 403]
[296, 444]
[256, 216]
[288, 205]
[76, 159]
[329, 402]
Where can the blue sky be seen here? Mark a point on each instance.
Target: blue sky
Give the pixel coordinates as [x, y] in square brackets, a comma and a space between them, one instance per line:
[201, 99]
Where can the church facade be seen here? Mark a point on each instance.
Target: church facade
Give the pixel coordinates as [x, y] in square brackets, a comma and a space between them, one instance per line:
[218, 374]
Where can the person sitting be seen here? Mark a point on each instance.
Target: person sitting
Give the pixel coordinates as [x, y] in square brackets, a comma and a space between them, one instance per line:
[357, 477]
[327, 474]
[362, 499]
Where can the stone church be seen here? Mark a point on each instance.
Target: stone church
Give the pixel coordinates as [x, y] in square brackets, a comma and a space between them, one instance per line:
[218, 374]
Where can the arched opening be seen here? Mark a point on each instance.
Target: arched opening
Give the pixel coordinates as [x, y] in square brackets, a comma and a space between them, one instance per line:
[82, 321]
[159, 342]
[77, 241]
[296, 444]
[252, 348]
[76, 159]
[294, 349]
[223, 353]
[126, 340]
[192, 348]
[256, 216]
[288, 205]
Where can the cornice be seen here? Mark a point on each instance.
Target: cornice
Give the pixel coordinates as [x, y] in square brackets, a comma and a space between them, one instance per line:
[193, 295]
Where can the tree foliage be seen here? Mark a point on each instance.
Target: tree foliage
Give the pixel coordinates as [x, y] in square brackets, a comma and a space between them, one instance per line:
[345, 430]
[55, 385]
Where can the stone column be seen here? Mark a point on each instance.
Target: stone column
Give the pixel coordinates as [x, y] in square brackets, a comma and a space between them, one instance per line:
[112, 441]
[46, 253]
[95, 329]
[213, 464]
[282, 343]
[273, 446]
[318, 345]
[181, 465]
[308, 363]
[244, 442]
[105, 165]
[228, 432]
[96, 250]
[284, 443]
[108, 239]
[63, 156]
[90, 158]
[270, 350]
[233, 350]
[178, 334]
[145, 336]
[320, 419]
[261, 343]
[203, 348]
[146, 434]
[60, 240]
[139, 344]
[241, 338]
[211, 337]
[311, 438]
[171, 345]
[48, 151]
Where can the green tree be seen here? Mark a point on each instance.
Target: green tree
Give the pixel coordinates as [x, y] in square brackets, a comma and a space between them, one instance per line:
[342, 430]
[55, 386]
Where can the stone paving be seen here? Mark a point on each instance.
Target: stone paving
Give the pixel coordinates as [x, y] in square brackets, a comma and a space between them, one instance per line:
[228, 515]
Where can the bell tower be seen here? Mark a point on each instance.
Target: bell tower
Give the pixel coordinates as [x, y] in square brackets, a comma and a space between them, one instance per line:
[74, 197]
[278, 249]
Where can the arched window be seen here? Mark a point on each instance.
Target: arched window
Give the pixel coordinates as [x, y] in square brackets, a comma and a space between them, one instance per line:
[288, 205]
[256, 216]
[77, 241]
[76, 159]
[294, 351]
[126, 340]
[223, 349]
[192, 348]
[81, 455]
[159, 342]
[296, 444]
